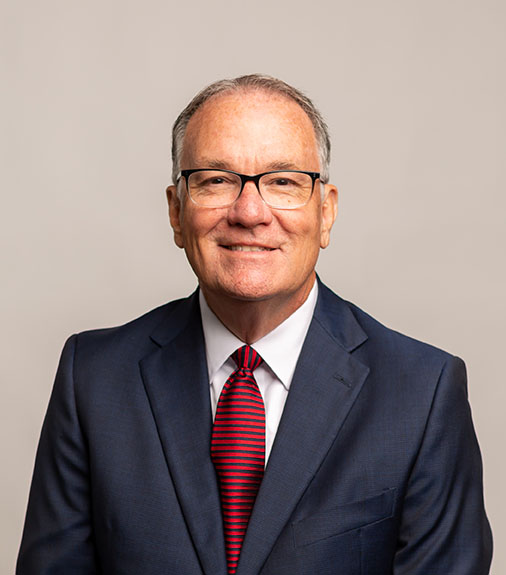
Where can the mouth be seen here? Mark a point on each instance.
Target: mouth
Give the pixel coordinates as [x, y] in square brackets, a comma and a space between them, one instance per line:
[239, 248]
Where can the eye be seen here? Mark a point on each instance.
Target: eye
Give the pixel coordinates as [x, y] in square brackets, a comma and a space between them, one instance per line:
[280, 182]
[215, 181]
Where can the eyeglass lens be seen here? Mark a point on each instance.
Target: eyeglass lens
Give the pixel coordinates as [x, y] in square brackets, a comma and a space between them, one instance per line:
[215, 188]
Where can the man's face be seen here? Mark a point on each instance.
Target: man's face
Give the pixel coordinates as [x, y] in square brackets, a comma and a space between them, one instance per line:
[249, 251]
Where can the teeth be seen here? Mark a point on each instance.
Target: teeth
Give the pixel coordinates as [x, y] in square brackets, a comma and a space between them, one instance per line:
[247, 249]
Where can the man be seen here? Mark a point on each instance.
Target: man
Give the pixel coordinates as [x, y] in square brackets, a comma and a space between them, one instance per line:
[327, 444]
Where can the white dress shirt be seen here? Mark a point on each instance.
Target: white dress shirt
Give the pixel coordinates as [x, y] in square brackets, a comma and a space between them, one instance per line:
[279, 349]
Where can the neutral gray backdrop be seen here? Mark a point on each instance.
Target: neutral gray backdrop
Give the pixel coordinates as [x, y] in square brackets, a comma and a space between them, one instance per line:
[414, 95]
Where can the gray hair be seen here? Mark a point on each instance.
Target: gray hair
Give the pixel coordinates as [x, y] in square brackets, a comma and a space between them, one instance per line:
[252, 82]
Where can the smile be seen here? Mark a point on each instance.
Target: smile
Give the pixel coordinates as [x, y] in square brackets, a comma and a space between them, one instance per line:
[248, 249]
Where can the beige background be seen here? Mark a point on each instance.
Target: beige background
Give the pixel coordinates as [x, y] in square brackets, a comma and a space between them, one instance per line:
[414, 93]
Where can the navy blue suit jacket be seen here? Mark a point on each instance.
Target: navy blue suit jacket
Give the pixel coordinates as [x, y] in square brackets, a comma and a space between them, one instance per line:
[375, 469]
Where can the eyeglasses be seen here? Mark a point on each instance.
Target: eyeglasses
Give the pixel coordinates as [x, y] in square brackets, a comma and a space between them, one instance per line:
[283, 190]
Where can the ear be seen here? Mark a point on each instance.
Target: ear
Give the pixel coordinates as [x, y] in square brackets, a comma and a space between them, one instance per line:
[175, 213]
[328, 214]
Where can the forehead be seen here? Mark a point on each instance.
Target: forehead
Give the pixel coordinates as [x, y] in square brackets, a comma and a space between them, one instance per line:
[266, 126]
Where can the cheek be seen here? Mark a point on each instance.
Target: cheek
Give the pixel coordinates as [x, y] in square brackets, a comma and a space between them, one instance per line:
[194, 225]
[197, 232]
[308, 231]
[305, 246]
[313, 243]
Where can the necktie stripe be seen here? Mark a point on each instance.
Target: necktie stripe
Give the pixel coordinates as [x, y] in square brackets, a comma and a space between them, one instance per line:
[246, 442]
[255, 461]
[238, 426]
[243, 400]
[218, 451]
[237, 411]
[238, 449]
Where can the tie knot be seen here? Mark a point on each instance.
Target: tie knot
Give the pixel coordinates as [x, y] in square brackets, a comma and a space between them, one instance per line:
[246, 358]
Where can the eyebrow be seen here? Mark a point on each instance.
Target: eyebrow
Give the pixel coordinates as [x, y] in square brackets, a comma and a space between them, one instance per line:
[221, 165]
[216, 164]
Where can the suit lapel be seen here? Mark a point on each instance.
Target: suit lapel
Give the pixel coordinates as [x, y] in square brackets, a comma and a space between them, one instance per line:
[176, 381]
[326, 383]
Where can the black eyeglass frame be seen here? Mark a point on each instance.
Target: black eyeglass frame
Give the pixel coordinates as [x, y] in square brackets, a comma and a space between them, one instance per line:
[244, 179]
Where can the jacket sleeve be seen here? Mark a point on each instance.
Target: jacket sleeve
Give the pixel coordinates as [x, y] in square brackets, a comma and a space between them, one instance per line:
[444, 527]
[58, 536]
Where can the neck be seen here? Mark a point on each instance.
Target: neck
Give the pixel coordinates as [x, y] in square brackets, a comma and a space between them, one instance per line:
[252, 320]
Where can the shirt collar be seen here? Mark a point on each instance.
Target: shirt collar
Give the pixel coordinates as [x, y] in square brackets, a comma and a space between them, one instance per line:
[280, 348]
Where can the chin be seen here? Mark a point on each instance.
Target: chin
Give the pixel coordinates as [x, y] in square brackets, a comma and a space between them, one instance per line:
[250, 293]
[247, 289]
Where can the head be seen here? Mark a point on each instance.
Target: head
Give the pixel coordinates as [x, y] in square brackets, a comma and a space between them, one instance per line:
[248, 251]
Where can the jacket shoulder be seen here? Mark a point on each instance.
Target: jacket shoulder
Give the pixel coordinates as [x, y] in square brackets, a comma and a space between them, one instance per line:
[139, 335]
[378, 340]
[410, 363]
[380, 334]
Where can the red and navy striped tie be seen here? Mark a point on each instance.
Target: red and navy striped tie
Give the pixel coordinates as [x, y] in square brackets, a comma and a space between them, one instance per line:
[238, 449]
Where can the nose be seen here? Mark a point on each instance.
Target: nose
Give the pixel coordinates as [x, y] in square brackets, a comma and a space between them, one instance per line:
[249, 209]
